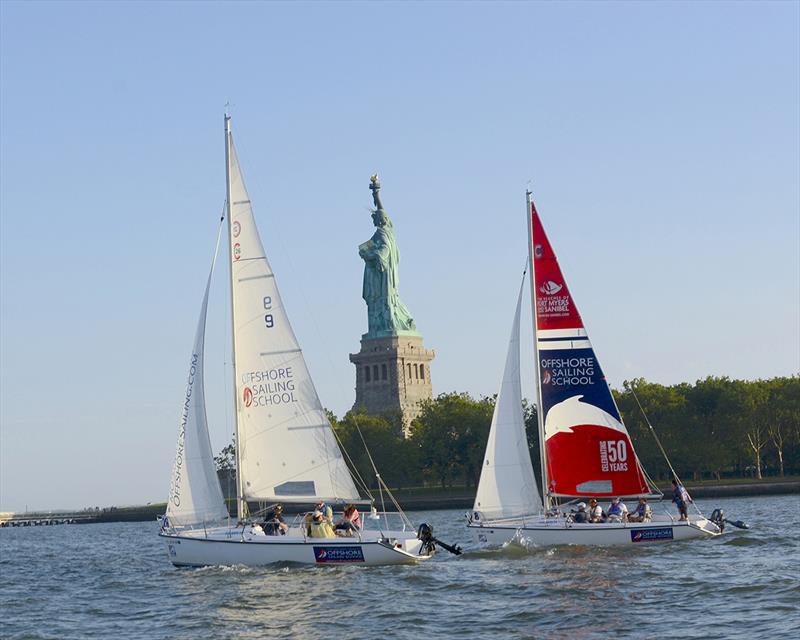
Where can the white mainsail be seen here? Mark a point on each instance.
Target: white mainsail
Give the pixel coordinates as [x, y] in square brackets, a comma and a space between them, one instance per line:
[195, 496]
[287, 448]
[507, 486]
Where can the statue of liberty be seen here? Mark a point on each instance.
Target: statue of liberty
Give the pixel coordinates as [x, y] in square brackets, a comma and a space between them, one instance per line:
[387, 313]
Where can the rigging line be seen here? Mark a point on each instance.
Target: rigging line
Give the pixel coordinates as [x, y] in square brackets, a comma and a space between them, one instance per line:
[660, 446]
[225, 377]
[371, 461]
[352, 465]
[381, 483]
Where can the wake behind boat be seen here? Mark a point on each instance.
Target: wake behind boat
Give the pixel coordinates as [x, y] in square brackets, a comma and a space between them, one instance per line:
[286, 450]
[586, 451]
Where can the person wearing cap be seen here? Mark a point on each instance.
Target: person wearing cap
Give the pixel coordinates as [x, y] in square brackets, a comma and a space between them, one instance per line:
[325, 510]
[642, 512]
[595, 511]
[581, 516]
[274, 524]
[320, 527]
[617, 511]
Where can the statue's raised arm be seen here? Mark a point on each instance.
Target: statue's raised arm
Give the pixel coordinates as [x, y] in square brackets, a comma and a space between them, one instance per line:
[375, 186]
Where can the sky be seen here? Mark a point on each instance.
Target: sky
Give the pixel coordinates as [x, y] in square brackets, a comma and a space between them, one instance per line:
[661, 142]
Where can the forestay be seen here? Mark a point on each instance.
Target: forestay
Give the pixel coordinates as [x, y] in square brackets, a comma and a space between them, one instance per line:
[507, 485]
[587, 448]
[287, 449]
[195, 496]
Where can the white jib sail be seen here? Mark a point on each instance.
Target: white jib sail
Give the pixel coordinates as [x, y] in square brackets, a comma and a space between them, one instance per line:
[287, 448]
[195, 496]
[507, 487]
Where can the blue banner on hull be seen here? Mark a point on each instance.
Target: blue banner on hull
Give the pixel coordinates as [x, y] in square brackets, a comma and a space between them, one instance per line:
[648, 535]
[338, 554]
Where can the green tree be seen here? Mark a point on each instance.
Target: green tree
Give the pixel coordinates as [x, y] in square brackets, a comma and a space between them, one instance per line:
[226, 460]
[450, 435]
[665, 407]
[393, 456]
[532, 432]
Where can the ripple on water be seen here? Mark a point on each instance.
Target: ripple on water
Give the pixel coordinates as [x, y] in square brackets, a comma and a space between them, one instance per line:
[114, 581]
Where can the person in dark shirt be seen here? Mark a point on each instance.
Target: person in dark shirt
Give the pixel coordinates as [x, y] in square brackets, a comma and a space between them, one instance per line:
[681, 498]
[581, 516]
[274, 524]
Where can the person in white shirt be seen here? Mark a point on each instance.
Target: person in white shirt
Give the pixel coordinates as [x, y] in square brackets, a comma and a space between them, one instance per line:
[595, 511]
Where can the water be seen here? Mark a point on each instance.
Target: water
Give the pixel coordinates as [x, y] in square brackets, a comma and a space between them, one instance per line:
[114, 581]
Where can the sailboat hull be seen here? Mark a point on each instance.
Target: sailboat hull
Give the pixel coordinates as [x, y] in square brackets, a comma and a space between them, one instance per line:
[539, 531]
[235, 547]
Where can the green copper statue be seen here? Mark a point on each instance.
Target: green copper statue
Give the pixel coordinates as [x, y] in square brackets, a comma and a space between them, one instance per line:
[387, 313]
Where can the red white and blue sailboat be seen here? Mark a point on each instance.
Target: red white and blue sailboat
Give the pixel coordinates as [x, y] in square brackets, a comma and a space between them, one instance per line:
[586, 451]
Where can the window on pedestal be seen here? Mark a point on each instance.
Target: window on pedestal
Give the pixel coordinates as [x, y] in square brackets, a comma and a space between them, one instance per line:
[383, 372]
[409, 371]
[366, 373]
[375, 372]
[422, 372]
[416, 371]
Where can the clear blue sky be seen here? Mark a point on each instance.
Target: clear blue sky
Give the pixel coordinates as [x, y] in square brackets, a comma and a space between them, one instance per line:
[661, 139]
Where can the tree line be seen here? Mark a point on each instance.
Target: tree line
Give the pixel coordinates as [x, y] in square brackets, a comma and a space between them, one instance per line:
[716, 428]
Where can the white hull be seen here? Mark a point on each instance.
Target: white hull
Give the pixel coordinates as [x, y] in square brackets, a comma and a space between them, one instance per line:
[224, 546]
[540, 531]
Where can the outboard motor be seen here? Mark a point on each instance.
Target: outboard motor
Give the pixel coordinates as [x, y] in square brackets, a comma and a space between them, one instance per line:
[718, 518]
[429, 542]
[425, 533]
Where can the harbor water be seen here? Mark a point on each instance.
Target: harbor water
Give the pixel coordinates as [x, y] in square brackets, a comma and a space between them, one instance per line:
[115, 581]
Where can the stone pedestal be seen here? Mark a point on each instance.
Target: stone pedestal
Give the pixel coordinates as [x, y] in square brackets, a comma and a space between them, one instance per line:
[392, 375]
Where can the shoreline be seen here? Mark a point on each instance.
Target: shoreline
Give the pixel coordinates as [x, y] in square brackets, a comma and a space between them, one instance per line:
[465, 498]
[454, 498]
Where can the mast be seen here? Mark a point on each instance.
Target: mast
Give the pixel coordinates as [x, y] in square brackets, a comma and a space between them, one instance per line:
[241, 504]
[539, 404]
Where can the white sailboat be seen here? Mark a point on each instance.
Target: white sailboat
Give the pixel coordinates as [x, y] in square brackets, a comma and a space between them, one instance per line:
[585, 449]
[286, 451]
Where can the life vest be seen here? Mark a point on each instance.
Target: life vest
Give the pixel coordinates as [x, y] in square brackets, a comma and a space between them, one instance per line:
[322, 530]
